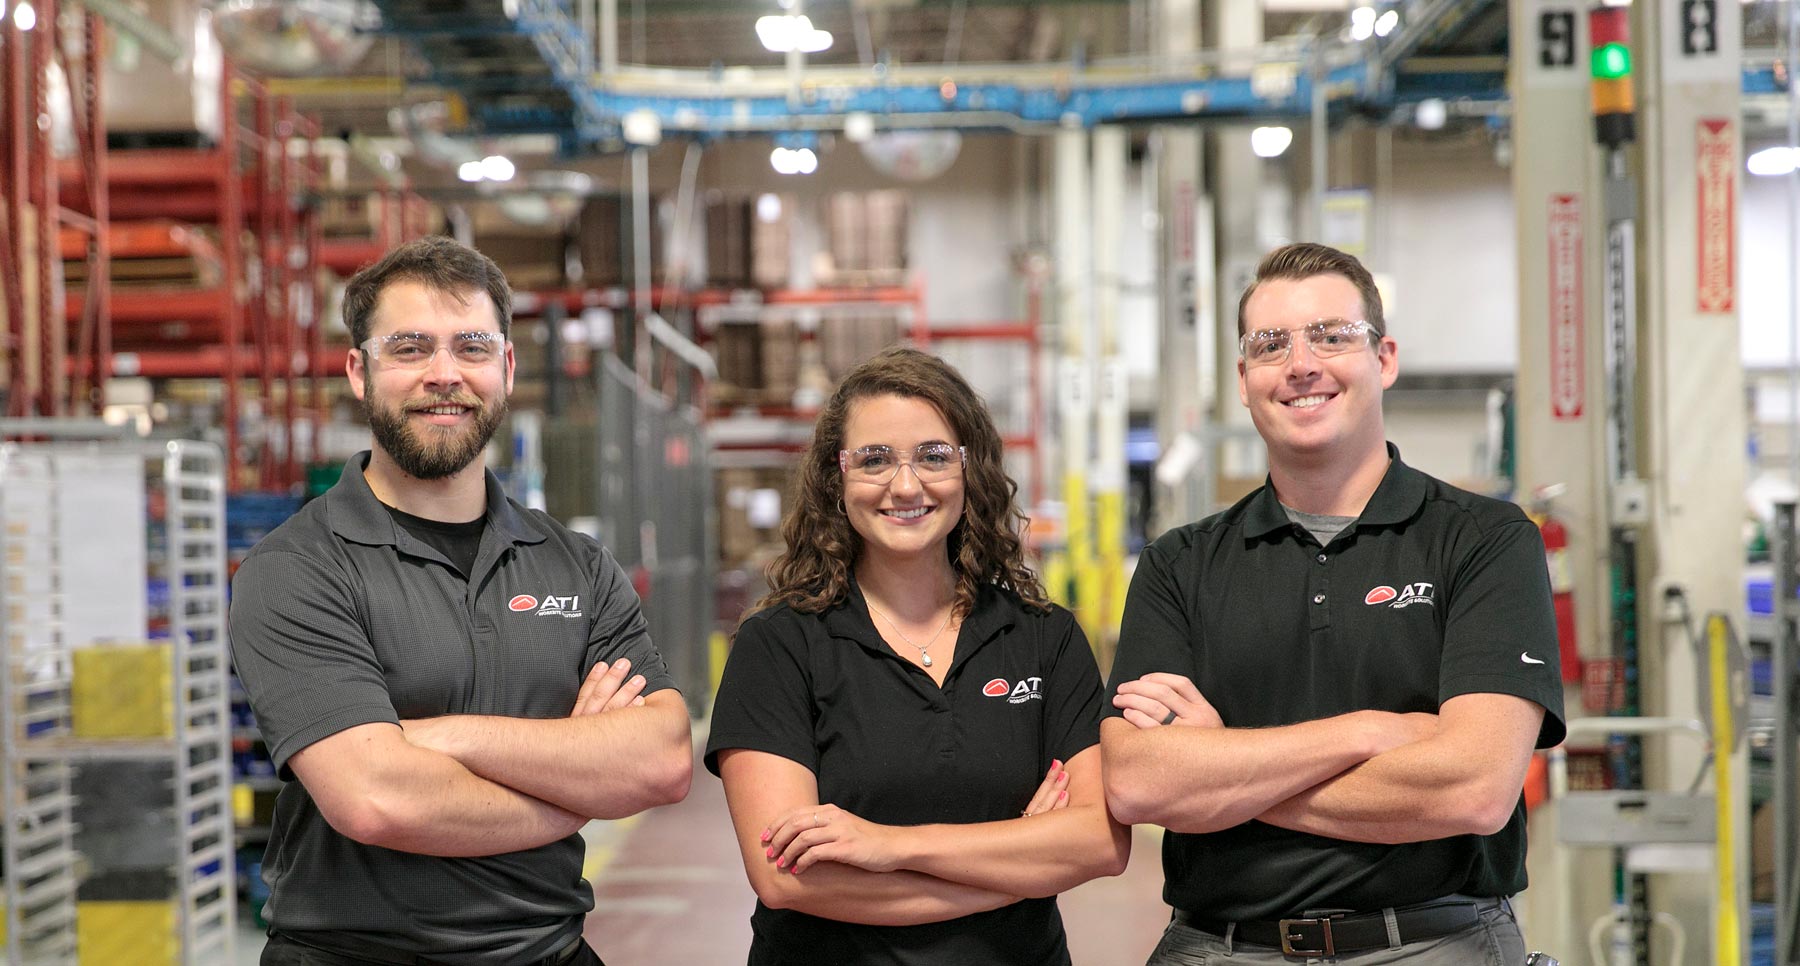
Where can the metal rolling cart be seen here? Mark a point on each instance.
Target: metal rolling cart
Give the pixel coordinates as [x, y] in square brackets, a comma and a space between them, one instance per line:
[114, 727]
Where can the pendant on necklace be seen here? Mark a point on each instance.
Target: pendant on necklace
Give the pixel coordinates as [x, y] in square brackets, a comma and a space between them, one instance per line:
[927, 660]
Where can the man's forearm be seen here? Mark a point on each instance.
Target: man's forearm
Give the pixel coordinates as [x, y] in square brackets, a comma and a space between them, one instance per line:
[1206, 779]
[1463, 780]
[606, 765]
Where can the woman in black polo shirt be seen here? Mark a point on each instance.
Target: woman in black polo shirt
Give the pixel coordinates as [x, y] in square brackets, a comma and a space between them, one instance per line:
[907, 730]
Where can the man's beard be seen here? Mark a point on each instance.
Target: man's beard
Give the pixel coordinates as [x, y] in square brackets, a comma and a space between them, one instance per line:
[431, 452]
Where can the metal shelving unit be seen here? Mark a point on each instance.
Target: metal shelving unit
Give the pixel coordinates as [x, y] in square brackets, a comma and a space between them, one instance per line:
[182, 552]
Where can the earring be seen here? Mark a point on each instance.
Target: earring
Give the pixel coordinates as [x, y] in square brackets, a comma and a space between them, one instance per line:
[841, 507]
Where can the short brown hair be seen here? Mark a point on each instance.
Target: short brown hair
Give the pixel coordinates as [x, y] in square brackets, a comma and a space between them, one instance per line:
[813, 572]
[1303, 260]
[440, 264]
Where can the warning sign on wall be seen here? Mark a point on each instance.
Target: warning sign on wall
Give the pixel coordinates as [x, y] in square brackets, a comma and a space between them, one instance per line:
[1567, 386]
[1715, 162]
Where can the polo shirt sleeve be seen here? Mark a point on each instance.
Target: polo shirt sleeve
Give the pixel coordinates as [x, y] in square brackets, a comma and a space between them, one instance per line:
[619, 629]
[303, 657]
[1499, 611]
[1071, 690]
[765, 700]
[1155, 633]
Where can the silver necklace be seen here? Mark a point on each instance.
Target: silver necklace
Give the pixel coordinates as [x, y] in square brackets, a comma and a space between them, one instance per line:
[925, 648]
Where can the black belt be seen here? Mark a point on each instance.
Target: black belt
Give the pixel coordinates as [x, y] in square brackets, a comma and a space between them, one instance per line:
[1345, 932]
[378, 956]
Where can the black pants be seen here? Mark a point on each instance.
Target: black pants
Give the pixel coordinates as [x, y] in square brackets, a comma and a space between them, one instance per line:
[282, 951]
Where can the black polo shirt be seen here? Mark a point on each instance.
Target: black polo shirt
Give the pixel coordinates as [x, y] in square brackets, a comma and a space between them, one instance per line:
[1433, 592]
[340, 618]
[889, 746]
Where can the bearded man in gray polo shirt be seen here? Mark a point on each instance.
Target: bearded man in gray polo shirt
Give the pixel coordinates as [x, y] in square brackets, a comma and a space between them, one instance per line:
[459, 684]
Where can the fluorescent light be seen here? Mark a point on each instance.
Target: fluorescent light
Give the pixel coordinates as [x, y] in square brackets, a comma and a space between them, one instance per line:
[1386, 23]
[768, 208]
[24, 17]
[497, 167]
[1431, 113]
[469, 171]
[1269, 142]
[783, 33]
[793, 161]
[1774, 162]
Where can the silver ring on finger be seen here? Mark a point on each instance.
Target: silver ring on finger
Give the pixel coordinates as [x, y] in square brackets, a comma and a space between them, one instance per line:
[816, 820]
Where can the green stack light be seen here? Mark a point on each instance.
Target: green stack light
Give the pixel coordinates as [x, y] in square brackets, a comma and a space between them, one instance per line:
[1611, 62]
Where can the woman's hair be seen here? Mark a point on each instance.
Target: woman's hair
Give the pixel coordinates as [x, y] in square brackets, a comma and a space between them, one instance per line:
[813, 572]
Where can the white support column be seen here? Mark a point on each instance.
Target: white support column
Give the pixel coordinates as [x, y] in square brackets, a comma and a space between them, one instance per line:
[1693, 443]
[1109, 436]
[1237, 189]
[1075, 372]
[1560, 406]
[1187, 374]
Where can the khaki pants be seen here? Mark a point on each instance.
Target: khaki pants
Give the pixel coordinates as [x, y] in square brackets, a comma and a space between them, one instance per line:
[1494, 941]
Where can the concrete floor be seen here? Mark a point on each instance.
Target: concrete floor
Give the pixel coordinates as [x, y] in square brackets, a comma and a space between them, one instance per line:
[669, 888]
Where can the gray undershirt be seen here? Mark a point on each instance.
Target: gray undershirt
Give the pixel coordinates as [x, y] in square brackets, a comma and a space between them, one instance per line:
[1323, 528]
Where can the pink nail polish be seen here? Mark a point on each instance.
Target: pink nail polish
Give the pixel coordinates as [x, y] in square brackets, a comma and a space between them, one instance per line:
[781, 863]
[1063, 795]
[769, 852]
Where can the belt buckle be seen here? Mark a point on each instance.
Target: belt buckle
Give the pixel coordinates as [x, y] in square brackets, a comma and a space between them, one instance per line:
[1289, 937]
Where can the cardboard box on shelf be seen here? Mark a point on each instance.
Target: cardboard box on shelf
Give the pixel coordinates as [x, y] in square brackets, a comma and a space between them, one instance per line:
[780, 359]
[728, 232]
[770, 245]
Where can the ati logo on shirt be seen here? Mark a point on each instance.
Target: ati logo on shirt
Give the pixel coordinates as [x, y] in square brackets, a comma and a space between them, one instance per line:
[1027, 689]
[1416, 593]
[553, 605]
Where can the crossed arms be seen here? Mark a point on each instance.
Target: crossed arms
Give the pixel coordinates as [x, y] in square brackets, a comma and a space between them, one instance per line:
[822, 860]
[1366, 776]
[470, 785]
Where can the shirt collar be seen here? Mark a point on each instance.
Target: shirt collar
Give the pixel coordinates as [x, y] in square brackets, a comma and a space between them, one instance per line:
[1395, 500]
[851, 620]
[356, 514]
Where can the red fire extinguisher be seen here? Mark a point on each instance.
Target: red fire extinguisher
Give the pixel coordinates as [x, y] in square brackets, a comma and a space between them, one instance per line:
[1562, 579]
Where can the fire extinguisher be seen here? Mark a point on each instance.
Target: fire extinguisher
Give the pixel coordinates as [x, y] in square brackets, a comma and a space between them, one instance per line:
[1562, 578]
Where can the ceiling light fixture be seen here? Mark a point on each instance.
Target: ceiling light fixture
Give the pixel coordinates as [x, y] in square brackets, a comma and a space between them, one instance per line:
[1774, 162]
[497, 167]
[469, 171]
[1386, 23]
[24, 17]
[1270, 142]
[1362, 23]
[793, 160]
[783, 33]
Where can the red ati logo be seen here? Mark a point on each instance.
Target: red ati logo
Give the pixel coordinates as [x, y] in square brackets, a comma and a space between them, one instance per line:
[1418, 592]
[523, 602]
[997, 688]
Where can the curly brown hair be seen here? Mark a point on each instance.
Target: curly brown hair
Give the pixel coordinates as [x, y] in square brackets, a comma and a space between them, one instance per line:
[813, 573]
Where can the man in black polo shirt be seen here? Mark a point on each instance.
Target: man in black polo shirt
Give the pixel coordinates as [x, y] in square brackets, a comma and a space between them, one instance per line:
[458, 683]
[1329, 693]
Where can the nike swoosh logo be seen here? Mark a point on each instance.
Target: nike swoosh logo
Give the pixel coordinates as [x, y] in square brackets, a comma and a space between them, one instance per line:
[1528, 659]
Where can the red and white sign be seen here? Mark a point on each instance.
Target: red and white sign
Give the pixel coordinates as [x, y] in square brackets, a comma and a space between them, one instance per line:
[523, 602]
[1567, 379]
[1715, 156]
[1380, 595]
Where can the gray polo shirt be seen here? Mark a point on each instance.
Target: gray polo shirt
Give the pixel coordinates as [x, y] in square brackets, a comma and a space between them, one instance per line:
[340, 618]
